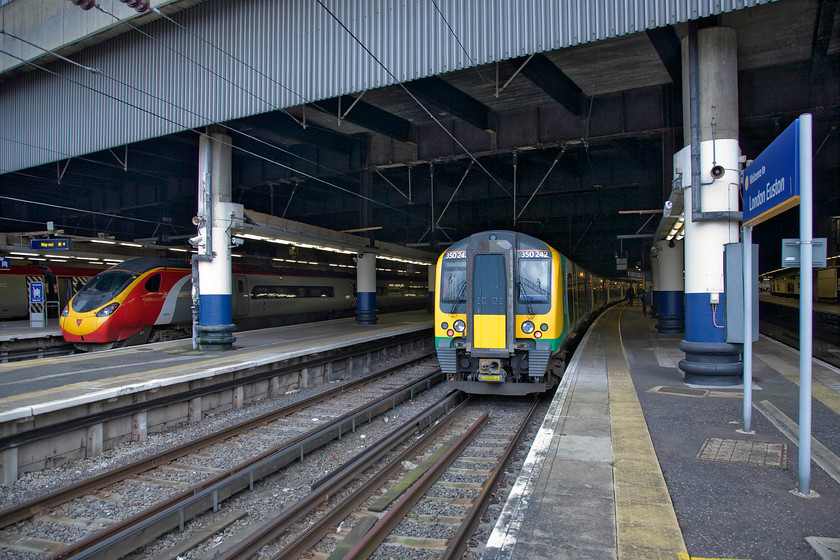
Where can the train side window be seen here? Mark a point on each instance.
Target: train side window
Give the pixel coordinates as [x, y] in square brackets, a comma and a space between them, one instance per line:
[153, 283]
[240, 286]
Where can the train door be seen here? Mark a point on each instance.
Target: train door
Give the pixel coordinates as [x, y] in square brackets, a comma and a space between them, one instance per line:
[489, 301]
[66, 291]
[241, 296]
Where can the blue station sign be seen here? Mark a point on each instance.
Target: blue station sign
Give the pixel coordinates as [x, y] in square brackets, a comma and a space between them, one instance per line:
[57, 244]
[771, 182]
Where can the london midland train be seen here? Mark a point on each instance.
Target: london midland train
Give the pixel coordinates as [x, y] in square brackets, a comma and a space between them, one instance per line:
[508, 306]
[150, 300]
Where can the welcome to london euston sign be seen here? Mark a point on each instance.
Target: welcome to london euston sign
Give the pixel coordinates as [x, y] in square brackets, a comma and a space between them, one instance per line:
[771, 182]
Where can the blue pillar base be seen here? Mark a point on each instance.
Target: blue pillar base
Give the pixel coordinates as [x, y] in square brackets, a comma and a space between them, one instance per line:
[711, 363]
[671, 324]
[215, 337]
[366, 316]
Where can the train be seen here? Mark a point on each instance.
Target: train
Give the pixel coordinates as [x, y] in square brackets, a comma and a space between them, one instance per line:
[150, 300]
[785, 282]
[508, 307]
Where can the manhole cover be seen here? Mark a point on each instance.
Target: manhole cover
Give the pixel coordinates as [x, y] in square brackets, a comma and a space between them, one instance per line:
[756, 453]
[683, 391]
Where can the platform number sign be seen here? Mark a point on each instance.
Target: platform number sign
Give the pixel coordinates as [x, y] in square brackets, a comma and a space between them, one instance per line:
[36, 292]
[5, 264]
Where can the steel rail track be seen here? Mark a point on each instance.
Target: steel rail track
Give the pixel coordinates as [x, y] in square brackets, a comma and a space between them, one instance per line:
[126, 536]
[333, 482]
[316, 532]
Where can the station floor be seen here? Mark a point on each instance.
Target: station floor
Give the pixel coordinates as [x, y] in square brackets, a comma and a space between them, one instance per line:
[632, 463]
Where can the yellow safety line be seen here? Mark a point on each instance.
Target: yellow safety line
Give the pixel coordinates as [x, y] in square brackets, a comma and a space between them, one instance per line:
[646, 525]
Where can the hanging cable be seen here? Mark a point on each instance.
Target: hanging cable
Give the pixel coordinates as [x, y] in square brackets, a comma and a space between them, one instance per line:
[425, 109]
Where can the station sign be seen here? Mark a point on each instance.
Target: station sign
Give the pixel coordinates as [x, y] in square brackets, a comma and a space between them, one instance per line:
[771, 182]
[57, 244]
[36, 292]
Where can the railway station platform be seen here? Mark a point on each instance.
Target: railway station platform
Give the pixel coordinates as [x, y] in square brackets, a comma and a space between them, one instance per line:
[632, 463]
[39, 394]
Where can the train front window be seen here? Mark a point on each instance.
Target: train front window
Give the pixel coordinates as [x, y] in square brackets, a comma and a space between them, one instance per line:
[453, 283]
[102, 289]
[534, 281]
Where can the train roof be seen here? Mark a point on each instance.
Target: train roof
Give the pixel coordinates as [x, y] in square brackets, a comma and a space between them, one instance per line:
[522, 240]
[144, 264]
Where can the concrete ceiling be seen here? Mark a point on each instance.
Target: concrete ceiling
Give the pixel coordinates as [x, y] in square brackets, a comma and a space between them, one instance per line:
[578, 135]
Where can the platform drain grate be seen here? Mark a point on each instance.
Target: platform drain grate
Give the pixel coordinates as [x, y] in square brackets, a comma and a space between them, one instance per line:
[760, 454]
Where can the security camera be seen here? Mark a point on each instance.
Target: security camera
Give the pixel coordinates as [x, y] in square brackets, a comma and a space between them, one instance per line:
[236, 241]
[718, 171]
[196, 241]
[197, 220]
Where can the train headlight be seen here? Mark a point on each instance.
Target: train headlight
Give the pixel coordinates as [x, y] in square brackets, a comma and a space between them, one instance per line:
[527, 327]
[544, 327]
[66, 311]
[538, 334]
[444, 325]
[450, 332]
[107, 310]
[460, 326]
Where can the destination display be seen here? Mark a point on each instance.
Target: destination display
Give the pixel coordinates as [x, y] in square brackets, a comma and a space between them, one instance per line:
[57, 244]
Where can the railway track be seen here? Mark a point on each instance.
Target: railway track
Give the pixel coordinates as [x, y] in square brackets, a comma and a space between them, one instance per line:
[168, 489]
[423, 500]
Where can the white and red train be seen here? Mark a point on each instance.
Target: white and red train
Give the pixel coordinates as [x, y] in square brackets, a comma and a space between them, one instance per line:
[150, 299]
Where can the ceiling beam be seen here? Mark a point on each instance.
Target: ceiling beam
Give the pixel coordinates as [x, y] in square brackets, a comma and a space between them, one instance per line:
[553, 81]
[667, 45]
[443, 95]
[368, 116]
[286, 127]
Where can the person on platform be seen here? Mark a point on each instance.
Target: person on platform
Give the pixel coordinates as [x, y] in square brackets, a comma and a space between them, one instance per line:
[630, 295]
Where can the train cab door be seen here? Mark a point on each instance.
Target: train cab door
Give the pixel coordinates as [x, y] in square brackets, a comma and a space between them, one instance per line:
[241, 296]
[492, 304]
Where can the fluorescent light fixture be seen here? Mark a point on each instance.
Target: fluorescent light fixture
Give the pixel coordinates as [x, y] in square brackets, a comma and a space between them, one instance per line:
[124, 244]
[177, 250]
[103, 241]
[24, 254]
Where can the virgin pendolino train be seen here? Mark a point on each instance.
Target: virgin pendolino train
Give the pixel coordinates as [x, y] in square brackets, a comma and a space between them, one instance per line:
[150, 300]
[508, 306]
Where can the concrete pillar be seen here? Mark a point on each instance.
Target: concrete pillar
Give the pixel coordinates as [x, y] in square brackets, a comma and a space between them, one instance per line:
[671, 285]
[9, 459]
[216, 214]
[194, 413]
[366, 289]
[139, 427]
[710, 202]
[93, 442]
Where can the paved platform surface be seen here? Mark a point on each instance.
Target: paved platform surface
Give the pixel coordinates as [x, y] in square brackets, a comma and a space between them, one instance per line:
[27, 388]
[631, 463]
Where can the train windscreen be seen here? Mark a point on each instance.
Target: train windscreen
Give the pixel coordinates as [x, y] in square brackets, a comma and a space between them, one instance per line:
[101, 290]
[453, 283]
[534, 280]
